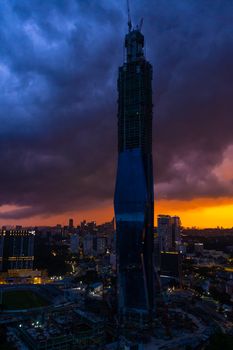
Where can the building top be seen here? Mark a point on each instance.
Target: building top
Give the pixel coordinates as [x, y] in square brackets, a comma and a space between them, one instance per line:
[134, 44]
[134, 40]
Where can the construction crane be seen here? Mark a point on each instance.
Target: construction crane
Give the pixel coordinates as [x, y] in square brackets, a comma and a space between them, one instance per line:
[139, 26]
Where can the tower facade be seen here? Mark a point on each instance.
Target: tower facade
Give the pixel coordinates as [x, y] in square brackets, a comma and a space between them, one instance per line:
[134, 197]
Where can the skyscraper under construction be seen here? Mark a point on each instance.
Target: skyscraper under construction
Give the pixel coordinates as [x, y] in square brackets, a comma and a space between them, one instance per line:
[134, 197]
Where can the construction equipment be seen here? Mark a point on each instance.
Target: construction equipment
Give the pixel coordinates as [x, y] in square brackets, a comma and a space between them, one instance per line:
[129, 17]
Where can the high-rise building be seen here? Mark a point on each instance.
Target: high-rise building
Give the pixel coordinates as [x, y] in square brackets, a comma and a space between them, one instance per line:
[169, 232]
[74, 243]
[71, 223]
[88, 244]
[99, 245]
[134, 197]
[176, 230]
[16, 249]
[165, 232]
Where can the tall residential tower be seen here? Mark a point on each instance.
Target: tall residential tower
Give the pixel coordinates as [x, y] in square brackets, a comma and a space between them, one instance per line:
[134, 197]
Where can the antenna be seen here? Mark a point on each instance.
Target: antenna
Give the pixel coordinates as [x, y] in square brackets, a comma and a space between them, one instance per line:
[140, 24]
[129, 17]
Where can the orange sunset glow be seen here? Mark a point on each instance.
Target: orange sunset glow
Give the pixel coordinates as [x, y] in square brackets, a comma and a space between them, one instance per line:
[203, 212]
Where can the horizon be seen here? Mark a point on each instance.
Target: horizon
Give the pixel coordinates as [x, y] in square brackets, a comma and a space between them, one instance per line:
[100, 219]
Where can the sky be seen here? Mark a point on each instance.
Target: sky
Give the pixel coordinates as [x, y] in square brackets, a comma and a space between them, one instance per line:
[58, 118]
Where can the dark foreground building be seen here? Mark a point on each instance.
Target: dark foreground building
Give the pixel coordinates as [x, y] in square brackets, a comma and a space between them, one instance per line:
[171, 267]
[16, 249]
[134, 198]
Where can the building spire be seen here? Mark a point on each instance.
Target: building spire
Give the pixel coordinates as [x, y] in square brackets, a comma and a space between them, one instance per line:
[129, 17]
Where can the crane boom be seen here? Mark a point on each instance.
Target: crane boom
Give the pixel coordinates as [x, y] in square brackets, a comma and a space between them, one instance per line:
[129, 16]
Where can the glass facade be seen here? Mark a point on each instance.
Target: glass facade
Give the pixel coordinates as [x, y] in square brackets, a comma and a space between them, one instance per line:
[134, 198]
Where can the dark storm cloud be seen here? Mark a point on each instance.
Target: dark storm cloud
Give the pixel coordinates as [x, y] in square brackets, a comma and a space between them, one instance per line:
[58, 65]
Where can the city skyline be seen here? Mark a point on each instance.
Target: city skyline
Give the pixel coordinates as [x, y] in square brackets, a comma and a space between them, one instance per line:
[59, 105]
